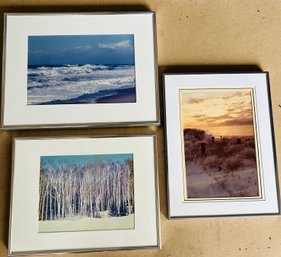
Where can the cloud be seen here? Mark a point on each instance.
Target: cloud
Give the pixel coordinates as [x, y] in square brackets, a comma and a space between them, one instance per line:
[240, 110]
[238, 122]
[196, 100]
[236, 94]
[244, 112]
[235, 108]
[215, 118]
[86, 47]
[197, 116]
[226, 120]
[118, 45]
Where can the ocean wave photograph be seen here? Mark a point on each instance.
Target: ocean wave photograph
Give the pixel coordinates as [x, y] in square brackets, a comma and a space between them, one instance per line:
[81, 69]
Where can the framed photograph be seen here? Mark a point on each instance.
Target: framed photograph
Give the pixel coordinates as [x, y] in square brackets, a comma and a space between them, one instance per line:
[79, 69]
[83, 194]
[220, 146]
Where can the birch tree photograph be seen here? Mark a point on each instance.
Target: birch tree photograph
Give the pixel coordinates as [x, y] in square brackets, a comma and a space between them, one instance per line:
[86, 192]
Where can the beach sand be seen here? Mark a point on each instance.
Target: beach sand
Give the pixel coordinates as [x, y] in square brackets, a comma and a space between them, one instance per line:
[123, 96]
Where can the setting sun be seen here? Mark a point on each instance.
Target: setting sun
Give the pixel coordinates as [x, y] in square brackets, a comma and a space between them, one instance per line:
[220, 112]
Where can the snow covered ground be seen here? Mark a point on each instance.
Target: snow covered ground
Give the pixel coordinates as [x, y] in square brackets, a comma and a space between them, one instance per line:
[109, 223]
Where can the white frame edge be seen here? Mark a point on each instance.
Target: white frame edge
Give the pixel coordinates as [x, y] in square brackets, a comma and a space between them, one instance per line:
[177, 208]
[133, 109]
[157, 244]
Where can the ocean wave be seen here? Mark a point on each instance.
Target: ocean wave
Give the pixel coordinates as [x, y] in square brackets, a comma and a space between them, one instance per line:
[49, 84]
[97, 97]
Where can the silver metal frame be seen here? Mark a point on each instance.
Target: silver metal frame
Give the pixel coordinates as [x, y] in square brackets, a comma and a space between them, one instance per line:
[67, 251]
[156, 122]
[272, 136]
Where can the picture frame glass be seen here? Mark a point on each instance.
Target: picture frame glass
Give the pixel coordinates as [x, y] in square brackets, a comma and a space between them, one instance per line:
[86, 192]
[81, 69]
[219, 144]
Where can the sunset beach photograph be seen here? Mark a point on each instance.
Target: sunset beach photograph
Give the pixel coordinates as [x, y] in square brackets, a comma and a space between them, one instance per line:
[219, 143]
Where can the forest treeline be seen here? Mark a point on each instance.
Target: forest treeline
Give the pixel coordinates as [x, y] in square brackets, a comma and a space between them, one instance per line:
[68, 190]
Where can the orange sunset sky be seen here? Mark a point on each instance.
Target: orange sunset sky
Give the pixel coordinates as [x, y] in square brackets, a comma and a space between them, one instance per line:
[221, 112]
